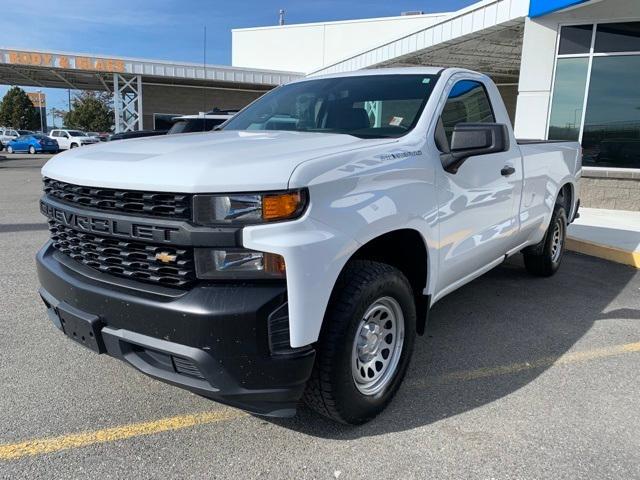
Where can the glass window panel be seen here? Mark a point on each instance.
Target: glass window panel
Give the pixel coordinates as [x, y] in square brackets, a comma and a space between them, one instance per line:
[575, 39]
[611, 135]
[468, 102]
[618, 37]
[568, 98]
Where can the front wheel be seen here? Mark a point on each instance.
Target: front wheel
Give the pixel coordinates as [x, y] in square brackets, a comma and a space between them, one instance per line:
[365, 345]
[544, 259]
[73, 145]
[9, 149]
[32, 150]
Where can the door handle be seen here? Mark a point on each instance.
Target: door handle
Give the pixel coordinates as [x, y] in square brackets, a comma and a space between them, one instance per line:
[507, 170]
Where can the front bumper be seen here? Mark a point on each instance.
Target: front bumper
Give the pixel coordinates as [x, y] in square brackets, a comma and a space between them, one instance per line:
[213, 339]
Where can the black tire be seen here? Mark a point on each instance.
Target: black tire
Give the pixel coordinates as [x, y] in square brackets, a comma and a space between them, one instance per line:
[32, 150]
[543, 260]
[331, 389]
[73, 145]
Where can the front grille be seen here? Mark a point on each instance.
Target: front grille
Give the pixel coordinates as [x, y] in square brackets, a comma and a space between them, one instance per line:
[134, 260]
[156, 204]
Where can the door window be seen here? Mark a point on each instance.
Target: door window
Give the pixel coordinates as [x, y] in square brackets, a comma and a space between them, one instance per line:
[468, 102]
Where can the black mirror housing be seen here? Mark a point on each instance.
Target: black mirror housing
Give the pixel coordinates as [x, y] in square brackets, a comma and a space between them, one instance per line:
[473, 139]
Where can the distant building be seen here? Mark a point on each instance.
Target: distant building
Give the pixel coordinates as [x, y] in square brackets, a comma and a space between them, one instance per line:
[567, 69]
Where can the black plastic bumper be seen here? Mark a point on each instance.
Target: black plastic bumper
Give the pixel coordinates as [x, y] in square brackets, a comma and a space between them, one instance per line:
[212, 339]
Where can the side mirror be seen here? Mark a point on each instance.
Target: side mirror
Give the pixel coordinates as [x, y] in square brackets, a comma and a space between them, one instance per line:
[473, 139]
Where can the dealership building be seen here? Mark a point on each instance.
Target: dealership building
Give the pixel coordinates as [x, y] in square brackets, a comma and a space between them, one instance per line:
[567, 69]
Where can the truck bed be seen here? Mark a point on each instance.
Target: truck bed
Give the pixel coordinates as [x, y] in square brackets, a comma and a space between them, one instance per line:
[532, 141]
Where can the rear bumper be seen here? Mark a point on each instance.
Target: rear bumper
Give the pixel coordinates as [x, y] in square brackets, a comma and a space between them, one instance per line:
[213, 340]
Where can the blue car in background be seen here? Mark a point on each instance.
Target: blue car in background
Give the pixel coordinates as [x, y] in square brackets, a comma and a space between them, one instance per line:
[35, 143]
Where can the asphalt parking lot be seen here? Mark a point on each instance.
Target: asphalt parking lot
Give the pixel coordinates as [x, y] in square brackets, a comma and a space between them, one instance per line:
[518, 378]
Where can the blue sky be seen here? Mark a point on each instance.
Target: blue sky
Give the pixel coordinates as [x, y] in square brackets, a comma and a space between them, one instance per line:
[169, 29]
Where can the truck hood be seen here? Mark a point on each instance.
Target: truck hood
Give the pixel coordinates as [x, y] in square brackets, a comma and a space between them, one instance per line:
[233, 161]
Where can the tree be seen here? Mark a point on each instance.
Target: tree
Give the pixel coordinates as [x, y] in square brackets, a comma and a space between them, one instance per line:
[57, 113]
[90, 111]
[17, 111]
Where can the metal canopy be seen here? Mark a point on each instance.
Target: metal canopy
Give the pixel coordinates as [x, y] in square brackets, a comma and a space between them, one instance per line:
[486, 36]
[54, 69]
[496, 52]
[125, 77]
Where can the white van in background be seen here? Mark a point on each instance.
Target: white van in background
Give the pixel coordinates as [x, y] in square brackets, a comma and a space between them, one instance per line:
[72, 138]
[7, 134]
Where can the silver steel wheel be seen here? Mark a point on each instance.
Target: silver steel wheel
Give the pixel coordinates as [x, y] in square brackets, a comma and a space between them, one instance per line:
[377, 346]
[557, 240]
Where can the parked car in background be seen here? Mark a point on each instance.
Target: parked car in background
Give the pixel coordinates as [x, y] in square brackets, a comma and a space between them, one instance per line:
[100, 136]
[7, 134]
[34, 143]
[203, 122]
[71, 138]
[137, 134]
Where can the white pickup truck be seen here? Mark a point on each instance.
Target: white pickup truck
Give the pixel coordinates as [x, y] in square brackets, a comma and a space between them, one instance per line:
[68, 139]
[296, 253]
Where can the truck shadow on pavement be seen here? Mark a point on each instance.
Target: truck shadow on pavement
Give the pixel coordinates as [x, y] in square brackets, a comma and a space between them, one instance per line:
[504, 318]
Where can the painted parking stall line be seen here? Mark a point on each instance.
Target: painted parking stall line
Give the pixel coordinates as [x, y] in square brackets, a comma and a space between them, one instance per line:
[83, 439]
[513, 368]
[15, 451]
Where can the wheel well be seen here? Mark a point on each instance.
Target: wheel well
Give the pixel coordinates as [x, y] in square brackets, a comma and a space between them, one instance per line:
[405, 250]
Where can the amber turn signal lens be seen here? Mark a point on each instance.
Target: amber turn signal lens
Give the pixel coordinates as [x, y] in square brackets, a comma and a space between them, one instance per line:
[274, 264]
[281, 206]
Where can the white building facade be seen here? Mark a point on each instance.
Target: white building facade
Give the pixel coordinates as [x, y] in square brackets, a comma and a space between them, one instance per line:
[567, 69]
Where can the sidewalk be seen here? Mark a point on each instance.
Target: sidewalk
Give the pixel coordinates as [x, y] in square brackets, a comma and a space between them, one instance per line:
[610, 234]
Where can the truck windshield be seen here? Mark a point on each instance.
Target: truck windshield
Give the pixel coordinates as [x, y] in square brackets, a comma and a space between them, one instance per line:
[371, 106]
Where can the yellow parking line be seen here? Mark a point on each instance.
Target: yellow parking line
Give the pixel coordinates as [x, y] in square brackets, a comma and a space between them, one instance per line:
[14, 451]
[76, 440]
[572, 357]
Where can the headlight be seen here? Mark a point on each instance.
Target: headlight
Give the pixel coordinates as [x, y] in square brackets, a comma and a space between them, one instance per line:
[237, 263]
[248, 208]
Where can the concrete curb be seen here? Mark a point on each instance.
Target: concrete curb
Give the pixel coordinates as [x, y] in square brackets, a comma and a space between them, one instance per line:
[604, 251]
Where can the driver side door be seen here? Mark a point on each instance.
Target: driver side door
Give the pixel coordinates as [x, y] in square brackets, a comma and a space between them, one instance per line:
[477, 207]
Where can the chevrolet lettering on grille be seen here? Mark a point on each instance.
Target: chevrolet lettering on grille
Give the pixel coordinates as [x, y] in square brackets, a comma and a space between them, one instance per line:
[101, 225]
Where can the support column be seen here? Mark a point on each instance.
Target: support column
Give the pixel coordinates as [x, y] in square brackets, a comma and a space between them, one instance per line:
[127, 100]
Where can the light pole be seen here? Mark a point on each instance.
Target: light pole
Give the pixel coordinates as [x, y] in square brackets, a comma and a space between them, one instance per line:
[40, 108]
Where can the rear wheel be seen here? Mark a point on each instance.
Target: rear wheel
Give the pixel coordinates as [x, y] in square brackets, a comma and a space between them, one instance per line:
[32, 150]
[366, 343]
[544, 259]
